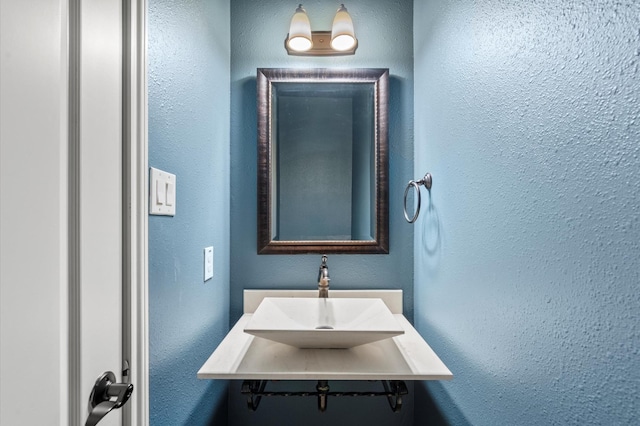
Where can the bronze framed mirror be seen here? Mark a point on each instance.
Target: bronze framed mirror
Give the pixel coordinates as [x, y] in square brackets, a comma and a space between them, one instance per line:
[323, 183]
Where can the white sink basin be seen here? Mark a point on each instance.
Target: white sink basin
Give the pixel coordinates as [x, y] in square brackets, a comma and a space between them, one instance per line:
[323, 323]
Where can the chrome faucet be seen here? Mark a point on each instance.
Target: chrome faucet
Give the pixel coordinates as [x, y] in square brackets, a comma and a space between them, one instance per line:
[323, 279]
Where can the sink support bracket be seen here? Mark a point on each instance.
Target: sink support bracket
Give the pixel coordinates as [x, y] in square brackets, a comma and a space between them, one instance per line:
[253, 388]
[394, 390]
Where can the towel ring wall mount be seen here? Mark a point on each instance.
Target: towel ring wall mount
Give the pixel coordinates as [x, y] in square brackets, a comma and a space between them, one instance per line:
[426, 181]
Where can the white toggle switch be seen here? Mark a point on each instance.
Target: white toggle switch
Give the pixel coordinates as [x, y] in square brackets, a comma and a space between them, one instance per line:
[208, 263]
[171, 193]
[162, 193]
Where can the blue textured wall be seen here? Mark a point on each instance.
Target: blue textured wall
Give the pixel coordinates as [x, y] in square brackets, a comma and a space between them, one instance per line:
[527, 264]
[385, 39]
[188, 135]
[258, 30]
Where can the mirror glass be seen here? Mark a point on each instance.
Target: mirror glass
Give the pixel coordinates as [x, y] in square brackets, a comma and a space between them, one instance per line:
[322, 175]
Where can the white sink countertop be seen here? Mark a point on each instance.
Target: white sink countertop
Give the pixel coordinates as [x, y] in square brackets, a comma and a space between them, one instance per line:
[241, 356]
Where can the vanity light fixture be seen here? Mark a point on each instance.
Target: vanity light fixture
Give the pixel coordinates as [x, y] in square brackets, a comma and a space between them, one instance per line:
[343, 37]
[299, 37]
[341, 40]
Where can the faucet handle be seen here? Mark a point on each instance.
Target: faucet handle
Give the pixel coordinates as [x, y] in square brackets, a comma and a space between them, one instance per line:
[324, 269]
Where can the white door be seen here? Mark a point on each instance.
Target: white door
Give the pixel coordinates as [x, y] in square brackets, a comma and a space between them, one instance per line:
[62, 227]
[99, 178]
[33, 214]
[110, 226]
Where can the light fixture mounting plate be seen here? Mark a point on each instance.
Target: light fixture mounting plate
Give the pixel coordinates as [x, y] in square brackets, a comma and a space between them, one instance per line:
[321, 46]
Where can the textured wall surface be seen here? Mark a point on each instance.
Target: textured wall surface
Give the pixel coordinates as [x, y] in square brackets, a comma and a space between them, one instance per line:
[527, 261]
[257, 34]
[189, 136]
[258, 30]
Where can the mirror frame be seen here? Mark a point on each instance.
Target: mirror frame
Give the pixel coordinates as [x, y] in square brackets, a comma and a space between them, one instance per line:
[379, 78]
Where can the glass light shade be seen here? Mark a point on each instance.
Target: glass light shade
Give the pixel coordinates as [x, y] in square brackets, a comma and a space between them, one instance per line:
[300, 31]
[342, 34]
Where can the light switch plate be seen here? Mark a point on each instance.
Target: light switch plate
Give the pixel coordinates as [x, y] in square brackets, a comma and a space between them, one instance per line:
[208, 263]
[162, 193]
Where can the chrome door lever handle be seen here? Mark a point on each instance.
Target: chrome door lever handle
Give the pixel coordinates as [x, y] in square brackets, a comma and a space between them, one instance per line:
[106, 396]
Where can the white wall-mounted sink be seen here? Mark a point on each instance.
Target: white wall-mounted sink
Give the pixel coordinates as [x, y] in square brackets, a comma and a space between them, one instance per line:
[316, 323]
[242, 356]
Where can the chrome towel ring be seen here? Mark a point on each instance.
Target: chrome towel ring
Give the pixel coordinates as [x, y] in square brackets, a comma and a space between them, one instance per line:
[427, 180]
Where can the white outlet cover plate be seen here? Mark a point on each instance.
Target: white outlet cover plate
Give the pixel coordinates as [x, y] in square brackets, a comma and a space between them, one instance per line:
[208, 263]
